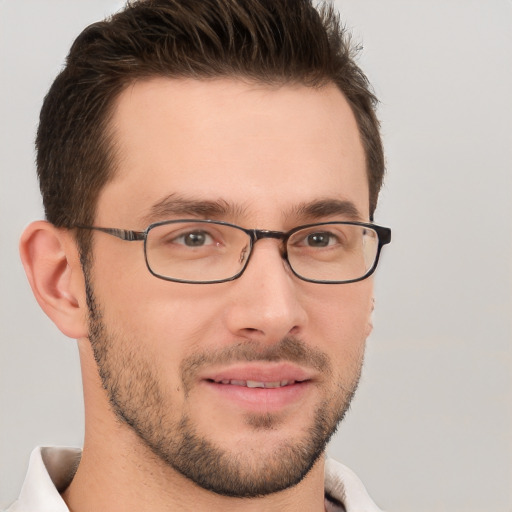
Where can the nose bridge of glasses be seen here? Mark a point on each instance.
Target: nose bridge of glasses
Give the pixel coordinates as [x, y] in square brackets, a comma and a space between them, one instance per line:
[259, 234]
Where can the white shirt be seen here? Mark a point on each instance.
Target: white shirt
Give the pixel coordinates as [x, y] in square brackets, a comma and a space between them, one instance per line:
[51, 470]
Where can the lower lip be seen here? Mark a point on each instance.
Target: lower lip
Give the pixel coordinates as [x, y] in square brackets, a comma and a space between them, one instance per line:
[261, 399]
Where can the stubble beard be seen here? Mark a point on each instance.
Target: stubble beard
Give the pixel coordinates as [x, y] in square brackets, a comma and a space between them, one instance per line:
[138, 400]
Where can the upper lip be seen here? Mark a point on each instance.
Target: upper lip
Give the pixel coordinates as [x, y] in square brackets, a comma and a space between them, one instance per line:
[259, 372]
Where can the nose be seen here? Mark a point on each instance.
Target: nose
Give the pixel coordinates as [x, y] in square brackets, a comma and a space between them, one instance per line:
[265, 303]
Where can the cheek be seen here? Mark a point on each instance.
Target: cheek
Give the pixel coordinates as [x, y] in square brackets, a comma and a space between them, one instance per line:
[342, 319]
[167, 320]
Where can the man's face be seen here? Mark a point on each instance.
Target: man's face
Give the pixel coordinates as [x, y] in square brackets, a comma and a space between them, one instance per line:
[178, 360]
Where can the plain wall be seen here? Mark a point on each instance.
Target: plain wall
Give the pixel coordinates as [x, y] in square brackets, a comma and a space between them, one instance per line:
[431, 426]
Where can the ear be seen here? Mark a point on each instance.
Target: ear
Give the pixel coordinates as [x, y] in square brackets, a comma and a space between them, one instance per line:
[52, 264]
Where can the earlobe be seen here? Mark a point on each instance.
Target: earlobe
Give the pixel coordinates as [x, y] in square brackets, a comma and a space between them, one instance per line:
[50, 258]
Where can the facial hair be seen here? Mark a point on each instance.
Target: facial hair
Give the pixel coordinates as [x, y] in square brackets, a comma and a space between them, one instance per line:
[139, 400]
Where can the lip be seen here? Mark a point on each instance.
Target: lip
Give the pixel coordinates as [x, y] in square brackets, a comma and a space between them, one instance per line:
[258, 371]
[230, 384]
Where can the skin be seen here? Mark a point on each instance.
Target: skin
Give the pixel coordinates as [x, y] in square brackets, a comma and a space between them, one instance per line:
[239, 144]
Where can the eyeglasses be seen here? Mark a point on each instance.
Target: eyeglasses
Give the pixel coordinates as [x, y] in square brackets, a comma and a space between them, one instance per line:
[209, 251]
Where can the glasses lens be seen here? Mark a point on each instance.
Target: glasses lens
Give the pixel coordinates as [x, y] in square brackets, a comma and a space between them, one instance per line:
[333, 252]
[196, 251]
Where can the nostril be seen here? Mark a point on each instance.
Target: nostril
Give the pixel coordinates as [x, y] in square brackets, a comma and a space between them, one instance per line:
[294, 331]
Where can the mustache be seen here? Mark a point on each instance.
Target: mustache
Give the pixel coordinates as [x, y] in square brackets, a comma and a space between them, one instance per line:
[289, 349]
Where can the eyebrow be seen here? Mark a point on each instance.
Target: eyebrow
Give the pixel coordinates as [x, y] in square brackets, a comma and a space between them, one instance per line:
[322, 208]
[176, 205]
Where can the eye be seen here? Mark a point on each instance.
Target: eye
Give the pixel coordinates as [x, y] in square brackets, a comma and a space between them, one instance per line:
[194, 239]
[320, 239]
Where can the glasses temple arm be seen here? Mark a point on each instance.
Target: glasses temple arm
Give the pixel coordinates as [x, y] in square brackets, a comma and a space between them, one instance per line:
[123, 234]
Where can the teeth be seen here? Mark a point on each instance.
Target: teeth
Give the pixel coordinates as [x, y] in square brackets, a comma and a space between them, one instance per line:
[258, 384]
[254, 384]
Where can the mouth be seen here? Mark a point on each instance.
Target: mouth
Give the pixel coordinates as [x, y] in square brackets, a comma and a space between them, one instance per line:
[257, 384]
[259, 387]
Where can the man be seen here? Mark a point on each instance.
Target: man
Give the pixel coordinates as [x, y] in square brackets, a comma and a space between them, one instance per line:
[209, 172]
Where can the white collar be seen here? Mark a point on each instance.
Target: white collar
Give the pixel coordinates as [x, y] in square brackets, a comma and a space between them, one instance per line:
[344, 485]
[50, 469]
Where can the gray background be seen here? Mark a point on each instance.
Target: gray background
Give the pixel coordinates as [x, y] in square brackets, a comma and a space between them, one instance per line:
[431, 427]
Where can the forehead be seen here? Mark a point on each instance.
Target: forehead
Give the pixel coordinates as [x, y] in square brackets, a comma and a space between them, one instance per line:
[259, 149]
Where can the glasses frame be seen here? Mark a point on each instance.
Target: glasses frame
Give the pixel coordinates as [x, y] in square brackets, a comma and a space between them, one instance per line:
[383, 234]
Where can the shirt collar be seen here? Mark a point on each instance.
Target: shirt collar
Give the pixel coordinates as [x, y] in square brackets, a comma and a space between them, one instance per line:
[50, 470]
[343, 484]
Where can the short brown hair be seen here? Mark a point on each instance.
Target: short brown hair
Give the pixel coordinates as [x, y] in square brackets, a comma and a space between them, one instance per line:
[268, 41]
